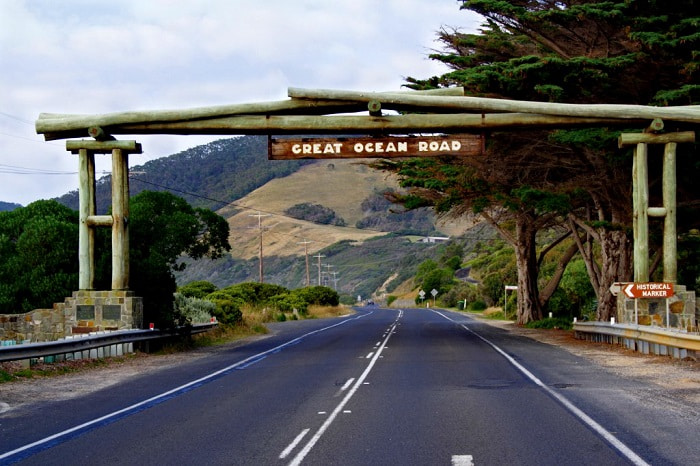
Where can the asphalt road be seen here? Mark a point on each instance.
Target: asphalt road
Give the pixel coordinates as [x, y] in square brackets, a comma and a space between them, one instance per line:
[381, 387]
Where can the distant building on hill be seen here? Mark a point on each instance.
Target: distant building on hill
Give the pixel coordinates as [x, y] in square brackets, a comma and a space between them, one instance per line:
[435, 239]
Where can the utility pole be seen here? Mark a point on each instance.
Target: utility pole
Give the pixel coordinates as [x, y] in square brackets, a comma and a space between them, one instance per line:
[319, 255]
[335, 281]
[260, 216]
[306, 255]
[328, 271]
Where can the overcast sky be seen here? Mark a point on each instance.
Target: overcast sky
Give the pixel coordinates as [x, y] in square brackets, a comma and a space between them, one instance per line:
[101, 56]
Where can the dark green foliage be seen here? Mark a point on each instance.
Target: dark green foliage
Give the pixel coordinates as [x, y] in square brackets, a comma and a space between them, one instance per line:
[288, 303]
[163, 227]
[38, 246]
[319, 295]
[563, 323]
[254, 293]
[197, 289]
[476, 306]
[228, 309]
[632, 52]
[315, 213]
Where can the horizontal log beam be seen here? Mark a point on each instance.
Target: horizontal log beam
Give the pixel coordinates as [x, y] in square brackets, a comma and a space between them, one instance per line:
[628, 139]
[103, 147]
[689, 113]
[55, 123]
[100, 220]
[400, 124]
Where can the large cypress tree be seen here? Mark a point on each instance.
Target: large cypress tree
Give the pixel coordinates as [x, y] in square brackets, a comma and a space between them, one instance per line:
[633, 52]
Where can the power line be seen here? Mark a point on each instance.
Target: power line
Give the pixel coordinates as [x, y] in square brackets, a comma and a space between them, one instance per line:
[15, 117]
[15, 170]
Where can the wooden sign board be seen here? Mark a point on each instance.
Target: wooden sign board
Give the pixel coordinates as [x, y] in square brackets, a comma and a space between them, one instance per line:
[375, 147]
[648, 290]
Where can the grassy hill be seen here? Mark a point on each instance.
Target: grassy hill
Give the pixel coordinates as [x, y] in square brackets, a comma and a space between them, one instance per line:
[364, 260]
[367, 243]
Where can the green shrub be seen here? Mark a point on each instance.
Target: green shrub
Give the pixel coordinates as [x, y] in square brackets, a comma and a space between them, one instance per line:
[390, 299]
[476, 306]
[319, 295]
[197, 289]
[194, 310]
[550, 323]
[228, 308]
[254, 293]
[288, 303]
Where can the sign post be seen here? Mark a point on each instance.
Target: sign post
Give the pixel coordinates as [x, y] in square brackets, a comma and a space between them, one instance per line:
[648, 290]
[505, 299]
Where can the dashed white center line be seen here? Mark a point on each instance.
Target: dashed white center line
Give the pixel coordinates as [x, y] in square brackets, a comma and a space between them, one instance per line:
[294, 443]
[369, 356]
[340, 408]
[462, 460]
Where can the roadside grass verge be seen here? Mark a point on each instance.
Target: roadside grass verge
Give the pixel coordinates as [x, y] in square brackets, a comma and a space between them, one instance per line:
[254, 320]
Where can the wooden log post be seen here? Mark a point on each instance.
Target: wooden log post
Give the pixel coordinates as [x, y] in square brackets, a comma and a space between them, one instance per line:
[86, 234]
[640, 198]
[86, 150]
[669, 199]
[640, 203]
[120, 218]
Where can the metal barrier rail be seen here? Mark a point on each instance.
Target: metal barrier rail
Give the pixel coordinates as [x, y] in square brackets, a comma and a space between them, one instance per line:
[643, 338]
[53, 348]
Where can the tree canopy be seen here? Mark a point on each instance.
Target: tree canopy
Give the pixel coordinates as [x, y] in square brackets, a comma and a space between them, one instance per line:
[39, 245]
[633, 52]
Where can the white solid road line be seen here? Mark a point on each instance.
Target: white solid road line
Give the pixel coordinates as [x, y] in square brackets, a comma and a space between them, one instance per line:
[586, 419]
[168, 393]
[294, 443]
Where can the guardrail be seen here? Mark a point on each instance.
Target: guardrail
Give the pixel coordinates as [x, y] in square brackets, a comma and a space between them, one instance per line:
[642, 338]
[76, 345]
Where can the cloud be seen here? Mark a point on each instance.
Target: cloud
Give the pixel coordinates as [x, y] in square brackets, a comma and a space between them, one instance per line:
[86, 56]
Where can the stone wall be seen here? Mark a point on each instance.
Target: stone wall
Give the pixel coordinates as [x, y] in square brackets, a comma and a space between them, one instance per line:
[84, 312]
[37, 325]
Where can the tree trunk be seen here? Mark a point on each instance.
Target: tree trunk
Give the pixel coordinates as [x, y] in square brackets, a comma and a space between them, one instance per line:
[529, 308]
[616, 266]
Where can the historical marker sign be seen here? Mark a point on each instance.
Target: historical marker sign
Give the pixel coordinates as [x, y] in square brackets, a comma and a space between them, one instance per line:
[648, 290]
[375, 147]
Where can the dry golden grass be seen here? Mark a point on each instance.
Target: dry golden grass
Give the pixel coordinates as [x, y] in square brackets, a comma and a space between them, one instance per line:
[324, 312]
[340, 185]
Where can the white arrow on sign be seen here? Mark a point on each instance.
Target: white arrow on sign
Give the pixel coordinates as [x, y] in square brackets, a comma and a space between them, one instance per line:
[628, 290]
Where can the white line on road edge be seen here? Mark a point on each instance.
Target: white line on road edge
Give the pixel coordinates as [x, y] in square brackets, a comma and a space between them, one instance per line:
[169, 393]
[462, 460]
[317, 436]
[610, 438]
[294, 443]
